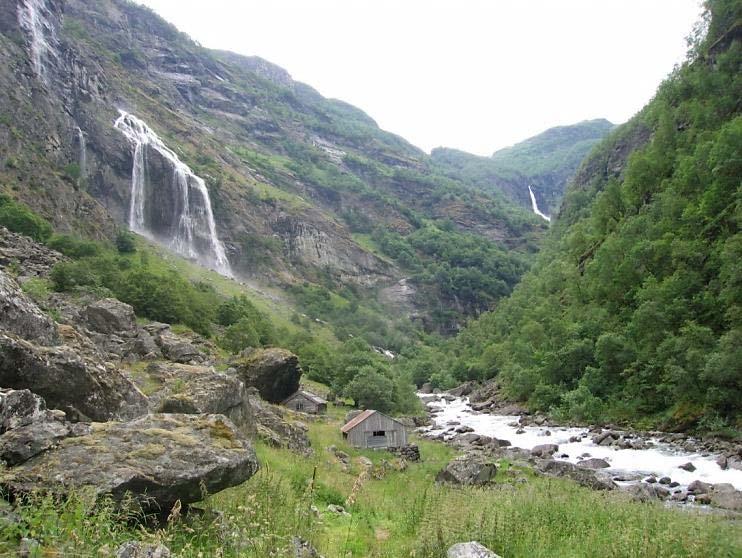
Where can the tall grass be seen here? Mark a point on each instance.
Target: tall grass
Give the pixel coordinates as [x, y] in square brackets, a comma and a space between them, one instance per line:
[393, 513]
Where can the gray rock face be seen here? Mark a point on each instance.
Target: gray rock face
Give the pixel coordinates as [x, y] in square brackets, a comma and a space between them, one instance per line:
[275, 429]
[584, 477]
[157, 459]
[33, 259]
[20, 407]
[20, 315]
[110, 316]
[21, 444]
[275, 373]
[174, 347]
[470, 550]
[468, 470]
[79, 385]
[201, 390]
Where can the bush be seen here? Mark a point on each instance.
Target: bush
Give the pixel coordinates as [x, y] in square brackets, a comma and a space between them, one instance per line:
[18, 218]
[72, 247]
[125, 243]
[240, 336]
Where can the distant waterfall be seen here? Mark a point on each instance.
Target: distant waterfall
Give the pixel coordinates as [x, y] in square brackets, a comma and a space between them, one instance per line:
[33, 17]
[534, 206]
[83, 157]
[190, 224]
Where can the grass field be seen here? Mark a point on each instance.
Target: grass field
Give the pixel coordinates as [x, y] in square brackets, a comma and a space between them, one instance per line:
[393, 513]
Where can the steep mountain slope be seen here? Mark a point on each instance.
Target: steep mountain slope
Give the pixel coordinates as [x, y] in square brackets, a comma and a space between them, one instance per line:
[227, 153]
[544, 162]
[633, 309]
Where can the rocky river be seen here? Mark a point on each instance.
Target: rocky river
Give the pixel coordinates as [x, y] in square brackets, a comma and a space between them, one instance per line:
[648, 463]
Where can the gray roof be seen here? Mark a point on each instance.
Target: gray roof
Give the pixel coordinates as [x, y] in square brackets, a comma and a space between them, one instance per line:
[316, 399]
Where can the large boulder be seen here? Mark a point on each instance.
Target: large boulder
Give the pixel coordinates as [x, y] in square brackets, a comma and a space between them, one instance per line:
[468, 470]
[197, 390]
[544, 450]
[156, 459]
[584, 477]
[643, 492]
[109, 315]
[80, 385]
[470, 550]
[724, 495]
[275, 373]
[19, 315]
[593, 463]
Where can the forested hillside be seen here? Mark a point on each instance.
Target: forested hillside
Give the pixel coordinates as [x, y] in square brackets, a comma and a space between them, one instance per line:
[545, 162]
[633, 310]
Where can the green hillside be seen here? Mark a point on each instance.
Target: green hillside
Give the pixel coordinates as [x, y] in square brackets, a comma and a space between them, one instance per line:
[633, 309]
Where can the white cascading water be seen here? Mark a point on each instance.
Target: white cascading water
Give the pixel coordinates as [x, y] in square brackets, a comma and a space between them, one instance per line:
[194, 207]
[659, 460]
[33, 17]
[534, 205]
[83, 158]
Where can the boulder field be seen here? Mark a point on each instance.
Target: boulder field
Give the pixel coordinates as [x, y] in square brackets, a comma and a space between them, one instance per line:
[95, 401]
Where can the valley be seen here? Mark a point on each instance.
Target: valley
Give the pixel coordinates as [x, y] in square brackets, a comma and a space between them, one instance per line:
[189, 238]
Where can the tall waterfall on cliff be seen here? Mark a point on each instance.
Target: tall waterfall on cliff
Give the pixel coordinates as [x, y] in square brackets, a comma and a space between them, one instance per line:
[33, 17]
[83, 157]
[191, 230]
[534, 206]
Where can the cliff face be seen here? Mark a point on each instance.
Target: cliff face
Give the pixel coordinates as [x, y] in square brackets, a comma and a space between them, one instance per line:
[288, 172]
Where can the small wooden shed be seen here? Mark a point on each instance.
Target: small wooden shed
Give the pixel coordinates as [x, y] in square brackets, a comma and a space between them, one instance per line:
[372, 429]
[306, 402]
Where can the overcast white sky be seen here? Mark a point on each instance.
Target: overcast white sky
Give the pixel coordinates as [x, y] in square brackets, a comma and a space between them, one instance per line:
[477, 75]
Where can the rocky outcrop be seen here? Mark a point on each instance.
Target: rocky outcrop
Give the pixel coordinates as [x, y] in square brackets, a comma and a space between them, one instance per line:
[201, 390]
[470, 550]
[275, 373]
[174, 347]
[274, 427]
[110, 315]
[156, 459]
[30, 258]
[21, 407]
[20, 315]
[21, 444]
[468, 470]
[81, 386]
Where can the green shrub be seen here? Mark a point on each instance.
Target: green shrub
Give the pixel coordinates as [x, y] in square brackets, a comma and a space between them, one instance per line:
[18, 218]
[125, 242]
[73, 247]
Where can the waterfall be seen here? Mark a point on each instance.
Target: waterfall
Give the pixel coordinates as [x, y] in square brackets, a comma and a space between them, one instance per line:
[33, 18]
[534, 206]
[191, 227]
[83, 157]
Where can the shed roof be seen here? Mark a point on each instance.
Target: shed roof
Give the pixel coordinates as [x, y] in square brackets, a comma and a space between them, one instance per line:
[309, 395]
[358, 419]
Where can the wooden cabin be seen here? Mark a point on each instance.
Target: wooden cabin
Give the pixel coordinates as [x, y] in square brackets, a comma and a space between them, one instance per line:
[372, 429]
[306, 402]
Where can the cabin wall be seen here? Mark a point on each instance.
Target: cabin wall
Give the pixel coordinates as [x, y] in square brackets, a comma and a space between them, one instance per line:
[362, 435]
